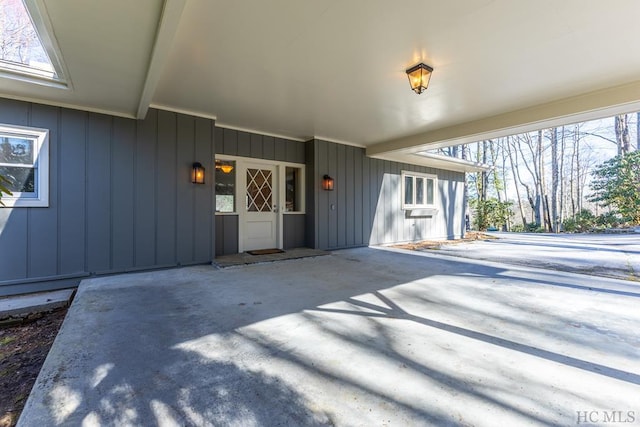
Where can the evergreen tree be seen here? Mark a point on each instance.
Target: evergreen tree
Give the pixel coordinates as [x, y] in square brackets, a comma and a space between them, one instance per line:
[616, 184]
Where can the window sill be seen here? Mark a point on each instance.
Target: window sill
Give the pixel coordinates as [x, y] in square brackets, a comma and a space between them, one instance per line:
[420, 212]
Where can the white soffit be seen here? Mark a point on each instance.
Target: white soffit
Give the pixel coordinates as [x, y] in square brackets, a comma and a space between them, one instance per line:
[106, 47]
[337, 69]
[435, 161]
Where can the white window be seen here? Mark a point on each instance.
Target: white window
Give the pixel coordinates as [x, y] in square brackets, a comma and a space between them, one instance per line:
[225, 186]
[24, 163]
[418, 190]
[27, 51]
[293, 187]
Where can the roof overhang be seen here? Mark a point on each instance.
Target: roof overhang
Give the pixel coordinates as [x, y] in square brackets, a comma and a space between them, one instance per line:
[590, 106]
[436, 161]
[336, 70]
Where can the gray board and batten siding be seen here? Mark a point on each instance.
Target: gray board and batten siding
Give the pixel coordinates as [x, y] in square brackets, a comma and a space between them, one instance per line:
[120, 200]
[365, 206]
[232, 142]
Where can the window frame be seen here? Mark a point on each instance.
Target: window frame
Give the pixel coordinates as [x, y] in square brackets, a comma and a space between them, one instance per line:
[39, 198]
[415, 176]
[235, 186]
[241, 164]
[44, 31]
[299, 190]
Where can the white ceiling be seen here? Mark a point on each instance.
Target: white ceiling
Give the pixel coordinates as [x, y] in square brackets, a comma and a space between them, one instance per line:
[335, 69]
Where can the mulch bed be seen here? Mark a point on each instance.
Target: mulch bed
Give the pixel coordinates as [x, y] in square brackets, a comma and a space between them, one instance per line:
[469, 236]
[23, 349]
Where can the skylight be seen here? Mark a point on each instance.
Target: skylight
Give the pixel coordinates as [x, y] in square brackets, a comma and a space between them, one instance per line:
[26, 50]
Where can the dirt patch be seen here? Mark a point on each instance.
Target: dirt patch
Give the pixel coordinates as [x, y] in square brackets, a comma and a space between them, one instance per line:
[470, 236]
[23, 349]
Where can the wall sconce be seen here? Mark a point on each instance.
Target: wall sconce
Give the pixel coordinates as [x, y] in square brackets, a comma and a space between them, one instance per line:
[327, 183]
[197, 174]
[419, 76]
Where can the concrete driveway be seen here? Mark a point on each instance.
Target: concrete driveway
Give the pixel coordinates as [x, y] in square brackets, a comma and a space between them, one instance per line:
[608, 255]
[362, 337]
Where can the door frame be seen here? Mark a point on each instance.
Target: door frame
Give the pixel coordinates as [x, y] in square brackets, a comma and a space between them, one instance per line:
[240, 186]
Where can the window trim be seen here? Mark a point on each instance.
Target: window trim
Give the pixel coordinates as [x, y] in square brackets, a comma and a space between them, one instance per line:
[242, 161]
[421, 175]
[39, 199]
[235, 184]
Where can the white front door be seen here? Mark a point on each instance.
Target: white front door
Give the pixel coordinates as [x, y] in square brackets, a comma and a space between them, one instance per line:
[261, 212]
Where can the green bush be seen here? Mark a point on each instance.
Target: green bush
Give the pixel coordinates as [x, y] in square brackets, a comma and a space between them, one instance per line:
[584, 221]
[532, 227]
[517, 228]
[570, 225]
[610, 220]
[615, 185]
[490, 213]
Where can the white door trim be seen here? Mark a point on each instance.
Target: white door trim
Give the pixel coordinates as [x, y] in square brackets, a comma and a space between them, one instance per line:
[280, 183]
[267, 223]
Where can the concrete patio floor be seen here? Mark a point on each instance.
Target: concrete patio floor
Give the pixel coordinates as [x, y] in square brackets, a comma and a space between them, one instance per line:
[607, 255]
[361, 337]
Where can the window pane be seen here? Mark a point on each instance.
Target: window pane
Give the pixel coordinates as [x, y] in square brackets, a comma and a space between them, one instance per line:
[429, 191]
[419, 191]
[408, 190]
[292, 190]
[225, 186]
[259, 190]
[21, 180]
[20, 41]
[16, 150]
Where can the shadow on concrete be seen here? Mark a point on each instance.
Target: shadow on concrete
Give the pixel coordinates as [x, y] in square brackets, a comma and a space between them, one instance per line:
[393, 311]
[124, 354]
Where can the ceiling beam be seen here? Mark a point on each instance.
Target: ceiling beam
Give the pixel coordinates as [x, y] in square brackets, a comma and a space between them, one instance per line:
[167, 27]
[590, 106]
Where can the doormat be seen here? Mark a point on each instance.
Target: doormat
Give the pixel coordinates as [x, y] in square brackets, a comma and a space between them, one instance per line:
[266, 252]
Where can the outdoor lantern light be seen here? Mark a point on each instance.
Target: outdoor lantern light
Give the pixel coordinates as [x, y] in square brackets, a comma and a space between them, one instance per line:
[419, 76]
[327, 183]
[224, 167]
[197, 175]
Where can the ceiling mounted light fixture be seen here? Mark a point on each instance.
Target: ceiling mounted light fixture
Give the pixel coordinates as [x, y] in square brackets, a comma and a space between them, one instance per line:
[419, 76]
[224, 167]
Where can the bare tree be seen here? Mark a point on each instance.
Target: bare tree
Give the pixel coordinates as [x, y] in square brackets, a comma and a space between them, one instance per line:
[623, 139]
[555, 175]
[19, 41]
[511, 152]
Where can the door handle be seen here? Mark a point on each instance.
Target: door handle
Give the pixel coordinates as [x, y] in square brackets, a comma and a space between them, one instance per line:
[275, 209]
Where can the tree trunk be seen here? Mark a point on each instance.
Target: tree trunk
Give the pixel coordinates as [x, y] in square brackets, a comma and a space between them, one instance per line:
[542, 185]
[638, 130]
[554, 179]
[578, 183]
[516, 179]
[623, 139]
[561, 174]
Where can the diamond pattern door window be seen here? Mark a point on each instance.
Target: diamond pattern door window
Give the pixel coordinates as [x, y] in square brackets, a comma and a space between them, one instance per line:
[259, 190]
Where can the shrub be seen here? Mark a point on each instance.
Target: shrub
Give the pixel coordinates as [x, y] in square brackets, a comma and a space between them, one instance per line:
[584, 221]
[517, 228]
